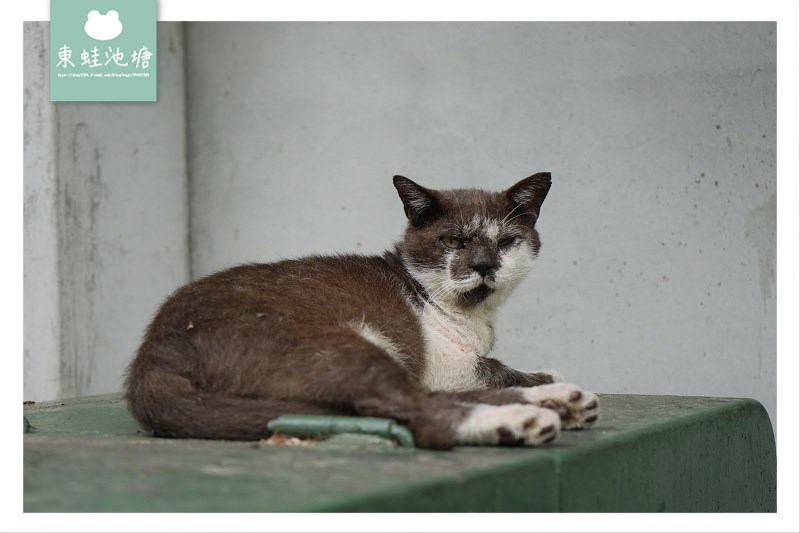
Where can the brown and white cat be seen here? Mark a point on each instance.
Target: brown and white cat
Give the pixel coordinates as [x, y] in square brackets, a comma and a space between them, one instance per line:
[404, 335]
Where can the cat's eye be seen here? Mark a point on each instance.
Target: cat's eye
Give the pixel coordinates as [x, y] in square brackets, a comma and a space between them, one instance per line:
[506, 242]
[450, 242]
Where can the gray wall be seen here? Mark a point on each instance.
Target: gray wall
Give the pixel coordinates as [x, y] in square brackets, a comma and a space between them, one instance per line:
[105, 222]
[657, 272]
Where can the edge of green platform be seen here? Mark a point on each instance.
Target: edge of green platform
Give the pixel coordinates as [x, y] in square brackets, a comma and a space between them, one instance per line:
[499, 488]
[758, 497]
[668, 425]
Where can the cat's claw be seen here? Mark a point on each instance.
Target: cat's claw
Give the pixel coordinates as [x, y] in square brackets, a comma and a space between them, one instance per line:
[576, 408]
[508, 425]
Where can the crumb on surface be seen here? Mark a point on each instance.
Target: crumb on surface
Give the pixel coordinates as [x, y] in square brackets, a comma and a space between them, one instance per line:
[279, 439]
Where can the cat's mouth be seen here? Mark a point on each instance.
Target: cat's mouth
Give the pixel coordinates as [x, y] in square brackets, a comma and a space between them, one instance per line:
[476, 295]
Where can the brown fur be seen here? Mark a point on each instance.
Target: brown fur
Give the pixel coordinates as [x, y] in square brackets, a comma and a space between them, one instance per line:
[229, 352]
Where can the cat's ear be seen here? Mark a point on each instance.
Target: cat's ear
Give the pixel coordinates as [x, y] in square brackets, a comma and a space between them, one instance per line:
[420, 204]
[530, 193]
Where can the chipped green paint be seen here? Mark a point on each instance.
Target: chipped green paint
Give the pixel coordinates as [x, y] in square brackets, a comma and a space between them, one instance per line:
[646, 453]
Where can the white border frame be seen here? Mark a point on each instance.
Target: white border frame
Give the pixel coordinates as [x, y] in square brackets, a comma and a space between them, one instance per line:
[787, 15]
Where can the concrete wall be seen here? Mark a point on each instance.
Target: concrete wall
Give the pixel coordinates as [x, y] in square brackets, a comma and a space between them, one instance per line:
[106, 222]
[657, 272]
[42, 377]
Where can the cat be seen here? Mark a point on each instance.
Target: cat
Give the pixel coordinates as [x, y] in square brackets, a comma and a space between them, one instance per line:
[403, 335]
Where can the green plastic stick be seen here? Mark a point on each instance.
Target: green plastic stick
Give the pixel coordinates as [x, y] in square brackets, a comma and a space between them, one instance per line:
[311, 425]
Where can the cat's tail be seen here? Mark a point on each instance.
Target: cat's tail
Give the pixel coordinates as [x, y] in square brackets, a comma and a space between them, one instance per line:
[169, 405]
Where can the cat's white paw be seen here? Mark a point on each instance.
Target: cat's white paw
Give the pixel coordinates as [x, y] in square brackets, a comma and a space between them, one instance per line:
[510, 424]
[576, 408]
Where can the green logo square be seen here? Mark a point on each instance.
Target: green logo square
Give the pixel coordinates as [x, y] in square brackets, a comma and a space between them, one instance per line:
[103, 50]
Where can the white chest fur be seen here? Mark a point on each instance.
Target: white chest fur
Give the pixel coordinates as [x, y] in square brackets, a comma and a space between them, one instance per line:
[453, 342]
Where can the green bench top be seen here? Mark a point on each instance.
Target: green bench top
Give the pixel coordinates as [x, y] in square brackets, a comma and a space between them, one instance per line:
[645, 454]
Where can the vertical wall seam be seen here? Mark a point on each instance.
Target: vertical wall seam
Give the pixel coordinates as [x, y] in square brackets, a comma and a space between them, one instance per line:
[187, 159]
[66, 333]
[55, 139]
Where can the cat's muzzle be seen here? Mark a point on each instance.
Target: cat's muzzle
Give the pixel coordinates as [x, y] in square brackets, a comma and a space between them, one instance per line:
[476, 295]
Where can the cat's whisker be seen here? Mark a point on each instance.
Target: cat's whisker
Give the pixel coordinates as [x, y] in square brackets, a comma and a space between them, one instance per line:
[510, 213]
[516, 217]
[445, 290]
[442, 291]
[460, 214]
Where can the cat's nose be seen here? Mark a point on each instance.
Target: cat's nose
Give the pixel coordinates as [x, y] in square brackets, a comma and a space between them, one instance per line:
[482, 268]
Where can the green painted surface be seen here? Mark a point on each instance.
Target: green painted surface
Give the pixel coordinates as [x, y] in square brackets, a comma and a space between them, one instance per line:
[647, 453]
[717, 455]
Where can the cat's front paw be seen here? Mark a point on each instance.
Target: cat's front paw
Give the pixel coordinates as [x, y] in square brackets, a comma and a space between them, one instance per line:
[508, 425]
[576, 408]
